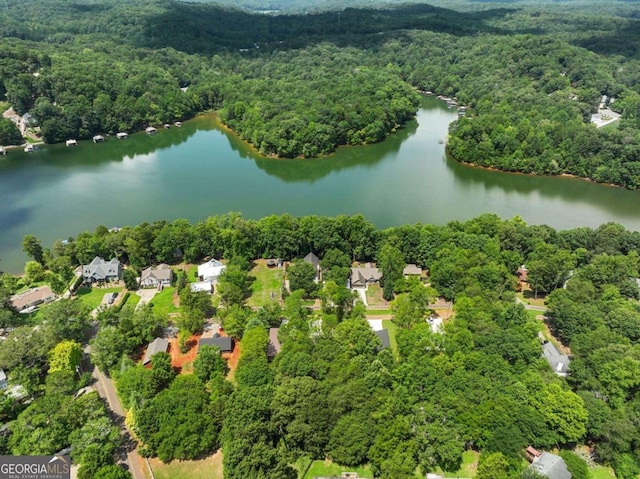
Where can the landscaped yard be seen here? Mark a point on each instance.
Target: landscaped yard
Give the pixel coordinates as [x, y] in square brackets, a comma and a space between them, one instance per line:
[374, 296]
[268, 282]
[327, 468]
[208, 468]
[469, 465]
[92, 297]
[163, 302]
[602, 472]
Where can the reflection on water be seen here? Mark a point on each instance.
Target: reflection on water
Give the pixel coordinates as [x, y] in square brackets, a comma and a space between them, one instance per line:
[202, 169]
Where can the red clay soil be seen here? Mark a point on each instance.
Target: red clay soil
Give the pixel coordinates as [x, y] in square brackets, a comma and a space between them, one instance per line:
[178, 360]
[233, 357]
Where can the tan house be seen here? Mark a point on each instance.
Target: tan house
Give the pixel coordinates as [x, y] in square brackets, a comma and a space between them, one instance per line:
[363, 276]
[29, 300]
[156, 277]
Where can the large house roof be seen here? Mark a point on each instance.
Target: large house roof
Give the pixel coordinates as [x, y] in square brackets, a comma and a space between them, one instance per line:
[559, 362]
[223, 342]
[364, 274]
[212, 269]
[37, 295]
[312, 259]
[551, 466]
[412, 270]
[99, 269]
[158, 345]
[162, 272]
[383, 334]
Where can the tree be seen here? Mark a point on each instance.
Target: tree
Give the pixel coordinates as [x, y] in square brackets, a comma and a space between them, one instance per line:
[302, 276]
[9, 133]
[112, 472]
[65, 356]
[67, 319]
[233, 285]
[107, 347]
[493, 466]
[93, 446]
[391, 263]
[576, 465]
[32, 246]
[33, 272]
[130, 279]
[209, 363]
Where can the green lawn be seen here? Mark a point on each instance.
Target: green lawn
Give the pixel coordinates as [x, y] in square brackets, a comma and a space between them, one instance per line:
[378, 312]
[469, 465]
[92, 297]
[327, 468]
[374, 295]
[132, 300]
[267, 281]
[163, 302]
[393, 329]
[602, 472]
[208, 468]
[529, 297]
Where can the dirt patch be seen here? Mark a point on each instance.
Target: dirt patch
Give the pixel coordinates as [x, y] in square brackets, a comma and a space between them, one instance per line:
[232, 358]
[180, 360]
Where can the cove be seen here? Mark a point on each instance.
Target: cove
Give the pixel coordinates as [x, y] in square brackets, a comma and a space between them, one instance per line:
[201, 169]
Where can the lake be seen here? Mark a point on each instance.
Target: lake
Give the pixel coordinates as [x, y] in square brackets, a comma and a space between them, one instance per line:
[201, 169]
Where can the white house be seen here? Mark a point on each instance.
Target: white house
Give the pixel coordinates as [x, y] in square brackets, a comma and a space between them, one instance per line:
[155, 277]
[211, 270]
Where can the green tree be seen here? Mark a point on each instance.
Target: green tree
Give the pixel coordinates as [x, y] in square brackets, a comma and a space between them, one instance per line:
[209, 363]
[302, 276]
[33, 247]
[65, 356]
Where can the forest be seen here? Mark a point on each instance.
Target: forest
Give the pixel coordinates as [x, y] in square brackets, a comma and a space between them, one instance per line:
[333, 392]
[295, 85]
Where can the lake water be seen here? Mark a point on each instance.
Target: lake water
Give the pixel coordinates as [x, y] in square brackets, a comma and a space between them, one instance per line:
[200, 170]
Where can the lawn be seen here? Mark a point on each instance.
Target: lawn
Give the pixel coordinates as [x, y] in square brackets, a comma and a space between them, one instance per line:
[92, 297]
[393, 329]
[268, 281]
[378, 312]
[529, 297]
[208, 468]
[374, 296]
[327, 468]
[163, 302]
[602, 472]
[132, 300]
[469, 465]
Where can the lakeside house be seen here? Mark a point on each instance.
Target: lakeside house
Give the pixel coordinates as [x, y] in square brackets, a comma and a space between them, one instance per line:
[156, 277]
[363, 276]
[211, 270]
[547, 464]
[158, 345]
[28, 301]
[411, 270]
[100, 270]
[150, 130]
[2, 150]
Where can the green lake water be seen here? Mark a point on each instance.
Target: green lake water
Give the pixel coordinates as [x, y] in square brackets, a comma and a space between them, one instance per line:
[200, 170]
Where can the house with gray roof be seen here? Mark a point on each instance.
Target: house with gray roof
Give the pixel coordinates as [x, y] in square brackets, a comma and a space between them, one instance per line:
[314, 261]
[363, 276]
[559, 362]
[100, 270]
[158, 345]
[551, 466]
[156, 277]
[224, 343]
[383, 334]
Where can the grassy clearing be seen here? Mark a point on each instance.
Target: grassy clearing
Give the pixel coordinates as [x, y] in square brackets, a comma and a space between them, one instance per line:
[393, 329]
[267, 281]
[469, 465]
[92, 297]
[529, 297]
[374, 296]
[208, 468]
[602, 472]
[163, 302]
[327, 468]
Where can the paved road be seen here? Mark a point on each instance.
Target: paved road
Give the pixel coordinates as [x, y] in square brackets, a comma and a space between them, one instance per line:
[530, 307]
[106, 389]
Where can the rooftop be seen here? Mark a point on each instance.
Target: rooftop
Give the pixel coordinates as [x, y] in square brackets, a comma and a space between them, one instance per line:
[158, 345]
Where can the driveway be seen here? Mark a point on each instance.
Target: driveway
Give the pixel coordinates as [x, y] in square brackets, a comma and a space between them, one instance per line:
[146, 295]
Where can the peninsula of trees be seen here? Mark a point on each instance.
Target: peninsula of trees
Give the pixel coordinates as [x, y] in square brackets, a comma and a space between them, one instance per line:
[480, 384]
[300, 85]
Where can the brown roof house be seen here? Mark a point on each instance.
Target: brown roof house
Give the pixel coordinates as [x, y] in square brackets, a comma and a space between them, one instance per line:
[156, 277]
[411, 270]
[29, 300]
[101, 270]
[363, 276]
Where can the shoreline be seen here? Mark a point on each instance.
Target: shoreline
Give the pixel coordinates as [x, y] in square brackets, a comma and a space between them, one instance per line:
[535, 175]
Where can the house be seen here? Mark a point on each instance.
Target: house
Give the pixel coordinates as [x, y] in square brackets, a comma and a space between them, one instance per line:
[202, 286]
[4, 383]
[521, 273]
[274, 346]
[314, 261]
[551, 466]
[363, 276]
[383, 334]
[411, 270]
[158, 345]
[223, 342]
[101, 270]
[559, 362]
[211, 270]
[29, 300]
[156, 277]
